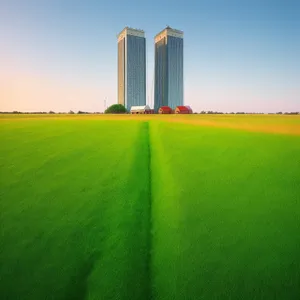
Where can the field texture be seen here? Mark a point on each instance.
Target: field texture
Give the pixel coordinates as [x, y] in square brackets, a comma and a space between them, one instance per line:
[150, 207]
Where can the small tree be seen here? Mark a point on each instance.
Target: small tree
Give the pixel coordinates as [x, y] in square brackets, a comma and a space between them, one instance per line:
[71, 112]
[116, 109]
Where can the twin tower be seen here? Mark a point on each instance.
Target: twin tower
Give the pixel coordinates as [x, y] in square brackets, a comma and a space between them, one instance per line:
[168, 84]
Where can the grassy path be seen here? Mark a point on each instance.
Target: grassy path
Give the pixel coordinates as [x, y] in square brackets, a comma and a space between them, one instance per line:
[123, 270]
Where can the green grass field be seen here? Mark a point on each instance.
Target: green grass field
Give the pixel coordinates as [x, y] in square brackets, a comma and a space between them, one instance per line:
[98, 207]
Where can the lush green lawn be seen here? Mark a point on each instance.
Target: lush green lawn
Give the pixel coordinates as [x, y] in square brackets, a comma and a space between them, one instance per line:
[94, 209]
[226, 214]
[74, 210]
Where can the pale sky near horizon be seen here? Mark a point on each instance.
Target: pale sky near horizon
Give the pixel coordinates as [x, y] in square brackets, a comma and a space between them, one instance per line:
[61, 55]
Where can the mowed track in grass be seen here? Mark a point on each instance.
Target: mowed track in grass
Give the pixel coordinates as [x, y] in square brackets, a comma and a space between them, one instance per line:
[76, 194]
[74, 210]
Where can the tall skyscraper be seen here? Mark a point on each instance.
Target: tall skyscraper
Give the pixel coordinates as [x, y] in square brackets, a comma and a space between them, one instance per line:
[168, 90]
[131, 67]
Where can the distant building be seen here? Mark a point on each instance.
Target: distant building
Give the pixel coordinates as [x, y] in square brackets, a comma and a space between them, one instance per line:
[189, 108]
[131, 68]
[145, 109]
[183, 110]
[165, 110]
[168, 89]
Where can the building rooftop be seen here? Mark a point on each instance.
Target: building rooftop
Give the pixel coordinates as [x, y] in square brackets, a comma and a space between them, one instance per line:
[165, 108]
[132, 31]
[183, 108]
[142, 107]
[169, 29]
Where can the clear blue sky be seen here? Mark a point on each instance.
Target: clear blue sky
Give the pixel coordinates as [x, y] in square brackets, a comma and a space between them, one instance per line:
[62, 54]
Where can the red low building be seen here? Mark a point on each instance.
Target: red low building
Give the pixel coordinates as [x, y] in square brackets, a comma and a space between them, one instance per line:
[150, 111]
[189, 108]
[183, 110]
[165, 110]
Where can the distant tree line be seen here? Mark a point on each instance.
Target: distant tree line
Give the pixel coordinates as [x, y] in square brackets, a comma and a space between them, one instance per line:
[210, 112]
[24, 113]
[289, 113]
[44, 112]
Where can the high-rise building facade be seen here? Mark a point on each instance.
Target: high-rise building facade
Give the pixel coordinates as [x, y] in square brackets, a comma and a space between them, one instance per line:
[168, 89]
[131, 67]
